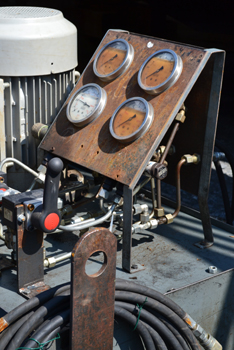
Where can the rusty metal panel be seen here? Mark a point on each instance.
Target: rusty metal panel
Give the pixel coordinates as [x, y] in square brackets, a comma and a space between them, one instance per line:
[92, 146]
[93, 296]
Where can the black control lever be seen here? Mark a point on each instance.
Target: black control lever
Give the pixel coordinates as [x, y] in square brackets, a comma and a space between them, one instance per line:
[47, 217]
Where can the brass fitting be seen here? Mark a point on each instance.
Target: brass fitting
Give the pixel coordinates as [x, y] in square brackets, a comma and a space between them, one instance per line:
[159, 212]
[180, 117]
[162, 149]
[171, 151]
[195, 158]
[169, 218]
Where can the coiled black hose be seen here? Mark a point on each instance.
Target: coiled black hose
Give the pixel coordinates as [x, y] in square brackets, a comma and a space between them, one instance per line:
[157, 319]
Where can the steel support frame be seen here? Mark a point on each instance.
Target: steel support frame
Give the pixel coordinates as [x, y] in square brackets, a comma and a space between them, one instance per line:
[206, 162]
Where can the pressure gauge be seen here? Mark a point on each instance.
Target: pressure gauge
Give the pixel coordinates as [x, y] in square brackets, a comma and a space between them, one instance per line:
[86, 104]
[113, 59]
[131, 119]
[160, 71]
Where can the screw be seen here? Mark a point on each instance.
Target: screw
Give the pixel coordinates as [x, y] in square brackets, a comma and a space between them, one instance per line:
[31, 207]
[21, 218]
[52, 148]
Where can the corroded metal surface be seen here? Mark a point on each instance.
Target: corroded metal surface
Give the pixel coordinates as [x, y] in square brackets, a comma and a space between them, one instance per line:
[93, 145]
[92, 296]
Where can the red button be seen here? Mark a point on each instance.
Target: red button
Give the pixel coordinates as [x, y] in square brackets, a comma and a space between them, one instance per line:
[51, 221]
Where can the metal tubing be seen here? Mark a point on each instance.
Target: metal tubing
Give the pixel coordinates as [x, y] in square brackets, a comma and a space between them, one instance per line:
[169, 142]
[88, 223]
[52, 261]
[159, 196]
[25, 167]
[152, 182]
[172, 136]
[178, 193]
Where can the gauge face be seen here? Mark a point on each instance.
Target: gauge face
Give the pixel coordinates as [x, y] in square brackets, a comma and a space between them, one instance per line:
[160, 71]
[86, 104]
[113, 59]
[131, 120]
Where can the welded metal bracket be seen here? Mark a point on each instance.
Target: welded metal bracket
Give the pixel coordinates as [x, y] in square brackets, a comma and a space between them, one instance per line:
[208, 147]
[29, 257]
[93, 296]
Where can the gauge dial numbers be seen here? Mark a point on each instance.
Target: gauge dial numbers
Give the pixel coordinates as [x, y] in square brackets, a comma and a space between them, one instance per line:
[160, 71]
[86, 104]
[113, 59]
[131, 120]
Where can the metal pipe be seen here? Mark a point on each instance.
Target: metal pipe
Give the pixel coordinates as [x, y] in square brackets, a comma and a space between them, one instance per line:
[52, 261]
[89, 223]
[178, 193]
[25, 167]
[169, 142]
[32, 186]
[101, 203]
[159, 196]
[152, 182]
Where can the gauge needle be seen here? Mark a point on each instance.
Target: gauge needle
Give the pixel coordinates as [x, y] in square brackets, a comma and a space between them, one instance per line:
[111, 59]
[158, 70]
[86, 104]
[128, 120]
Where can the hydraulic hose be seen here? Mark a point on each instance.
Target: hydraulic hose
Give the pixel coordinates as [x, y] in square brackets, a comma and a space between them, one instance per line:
[44, 331]
[90, 222]
[30, 304]
[160, 323]
[37, 319]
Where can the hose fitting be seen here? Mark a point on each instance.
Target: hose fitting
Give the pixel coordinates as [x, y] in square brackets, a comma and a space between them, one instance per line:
[205, 339]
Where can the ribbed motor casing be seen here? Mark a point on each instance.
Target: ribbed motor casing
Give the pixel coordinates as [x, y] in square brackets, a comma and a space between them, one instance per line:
[30, 100]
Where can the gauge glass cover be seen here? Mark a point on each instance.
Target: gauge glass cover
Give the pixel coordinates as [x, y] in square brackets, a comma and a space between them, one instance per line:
[160, 71]
[113, 59]
[86, 104]
[131, 119]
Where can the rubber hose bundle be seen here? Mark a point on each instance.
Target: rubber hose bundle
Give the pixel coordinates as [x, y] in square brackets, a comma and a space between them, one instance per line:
[157, 319]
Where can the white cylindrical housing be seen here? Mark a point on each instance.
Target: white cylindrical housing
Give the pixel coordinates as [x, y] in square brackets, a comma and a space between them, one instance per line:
[38, 57]
[36, 41]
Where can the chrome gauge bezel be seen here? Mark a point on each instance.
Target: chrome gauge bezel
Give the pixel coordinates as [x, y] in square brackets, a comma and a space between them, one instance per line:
[149, 115]
[95, 113]
[122, 68]
[174, 76]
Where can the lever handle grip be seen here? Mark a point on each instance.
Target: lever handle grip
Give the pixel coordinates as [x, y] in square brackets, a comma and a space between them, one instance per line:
[47, 218]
